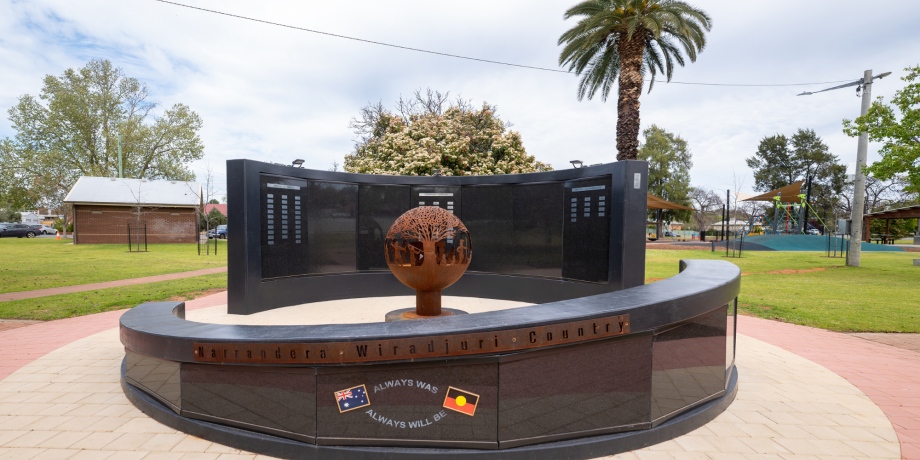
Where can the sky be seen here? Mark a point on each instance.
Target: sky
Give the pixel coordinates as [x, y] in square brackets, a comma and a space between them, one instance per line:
[276, 94]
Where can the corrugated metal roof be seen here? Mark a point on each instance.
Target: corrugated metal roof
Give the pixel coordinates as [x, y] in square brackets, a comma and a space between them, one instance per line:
[107, 190]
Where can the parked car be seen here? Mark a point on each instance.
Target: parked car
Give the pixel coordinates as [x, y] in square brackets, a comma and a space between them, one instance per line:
[47, 229]
[670, 234]
[219, 232]
[17, 230]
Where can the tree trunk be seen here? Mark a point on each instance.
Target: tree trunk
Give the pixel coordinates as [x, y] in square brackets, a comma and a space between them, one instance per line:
[630, 82]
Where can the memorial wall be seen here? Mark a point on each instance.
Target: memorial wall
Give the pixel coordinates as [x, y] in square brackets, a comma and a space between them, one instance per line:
[299, 223]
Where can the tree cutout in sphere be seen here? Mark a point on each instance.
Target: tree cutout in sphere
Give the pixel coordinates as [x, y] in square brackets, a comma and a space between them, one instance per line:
[427, 225]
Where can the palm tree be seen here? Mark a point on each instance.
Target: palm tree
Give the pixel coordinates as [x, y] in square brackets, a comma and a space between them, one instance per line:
[629, 39]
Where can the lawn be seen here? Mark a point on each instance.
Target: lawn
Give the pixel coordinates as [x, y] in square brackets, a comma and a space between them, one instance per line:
[798, 287]
[89, 302]
[880, 296]
[39, 263]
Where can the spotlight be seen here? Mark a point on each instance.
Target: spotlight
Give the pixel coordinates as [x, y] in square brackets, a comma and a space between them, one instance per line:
[577, 164]
[297, 164]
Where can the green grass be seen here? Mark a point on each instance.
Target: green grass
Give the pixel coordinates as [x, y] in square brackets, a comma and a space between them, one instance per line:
[883, 295]
[39, 263]
[89, 302]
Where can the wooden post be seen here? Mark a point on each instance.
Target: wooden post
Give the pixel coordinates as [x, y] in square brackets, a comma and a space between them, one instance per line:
[887, 228]
[868, 230]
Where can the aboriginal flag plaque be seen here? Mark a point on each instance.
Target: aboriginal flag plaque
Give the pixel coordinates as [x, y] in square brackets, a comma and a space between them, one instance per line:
[461, 401]
[352, 398]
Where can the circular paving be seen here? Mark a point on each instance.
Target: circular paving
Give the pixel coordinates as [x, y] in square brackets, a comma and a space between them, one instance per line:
[68, 404]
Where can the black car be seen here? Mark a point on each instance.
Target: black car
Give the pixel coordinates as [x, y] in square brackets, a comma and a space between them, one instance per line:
[17, 230]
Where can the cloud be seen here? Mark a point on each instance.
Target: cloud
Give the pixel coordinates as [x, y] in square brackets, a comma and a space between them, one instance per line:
[274, 94]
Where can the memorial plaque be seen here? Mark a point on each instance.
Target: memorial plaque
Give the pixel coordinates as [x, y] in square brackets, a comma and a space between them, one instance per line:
[470, 344]
[283, 226]
[537, 233]
[378, 207]
[586, 249]
[444, 197]
[408, 403]
[689, 364]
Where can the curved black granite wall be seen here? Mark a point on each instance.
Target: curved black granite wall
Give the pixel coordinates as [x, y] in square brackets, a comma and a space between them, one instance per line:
[671, 356]
[298, 236]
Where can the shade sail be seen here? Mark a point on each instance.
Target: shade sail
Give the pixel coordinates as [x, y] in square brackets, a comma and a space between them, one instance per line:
[788, 194]
[658, 203]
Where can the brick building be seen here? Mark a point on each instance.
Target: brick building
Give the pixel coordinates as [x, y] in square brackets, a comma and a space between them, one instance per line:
[104, 207]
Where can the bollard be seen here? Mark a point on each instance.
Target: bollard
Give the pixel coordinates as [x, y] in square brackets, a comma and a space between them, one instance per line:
[713, 246]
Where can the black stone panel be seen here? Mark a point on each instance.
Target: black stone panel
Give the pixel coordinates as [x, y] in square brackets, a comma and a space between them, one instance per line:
[407, 403]
[156, 376]
[378, 207]
[331, 214]
[597, 386]
[689, 363]
[283, 224]
[487, 213]
[537, 234]
[731, 334]
[444, 197]
[273, 400]
[586, 238]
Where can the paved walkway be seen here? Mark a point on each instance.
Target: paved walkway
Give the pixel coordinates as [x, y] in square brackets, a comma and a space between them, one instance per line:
[108, 284]
[804, 394]
[889, 376]
[19, 347]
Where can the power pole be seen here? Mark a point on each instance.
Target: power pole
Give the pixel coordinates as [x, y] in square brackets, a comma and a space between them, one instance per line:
[859, 186]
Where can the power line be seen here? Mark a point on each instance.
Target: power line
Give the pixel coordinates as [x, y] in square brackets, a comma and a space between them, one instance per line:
[363, 40]
[465, 57]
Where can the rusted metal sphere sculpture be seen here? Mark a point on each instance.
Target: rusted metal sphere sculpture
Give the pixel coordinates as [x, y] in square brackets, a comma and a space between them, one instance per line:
[428, 249]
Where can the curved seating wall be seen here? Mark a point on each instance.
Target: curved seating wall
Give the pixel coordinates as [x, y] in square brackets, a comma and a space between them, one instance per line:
[624, 361]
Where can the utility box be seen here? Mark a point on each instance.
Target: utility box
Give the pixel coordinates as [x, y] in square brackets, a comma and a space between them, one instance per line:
[844, 226]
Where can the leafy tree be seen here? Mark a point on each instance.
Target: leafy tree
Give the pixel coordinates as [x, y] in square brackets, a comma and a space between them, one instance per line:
[773, 164]
[626, 41]
[71, 130]
[780, 161]
[213, 201]
[901, 138]
[212, 219]
[8, 215]
[669, 166]
[428, 134]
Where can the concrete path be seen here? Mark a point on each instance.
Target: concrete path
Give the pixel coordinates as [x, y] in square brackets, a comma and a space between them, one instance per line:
[108, 284]
[889, 376]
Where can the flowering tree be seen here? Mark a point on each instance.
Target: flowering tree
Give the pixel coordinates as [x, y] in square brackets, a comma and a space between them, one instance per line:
[458, 141]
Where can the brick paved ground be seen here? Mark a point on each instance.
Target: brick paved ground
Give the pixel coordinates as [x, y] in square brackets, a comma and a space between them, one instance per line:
[812, 394]
[889, 376]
